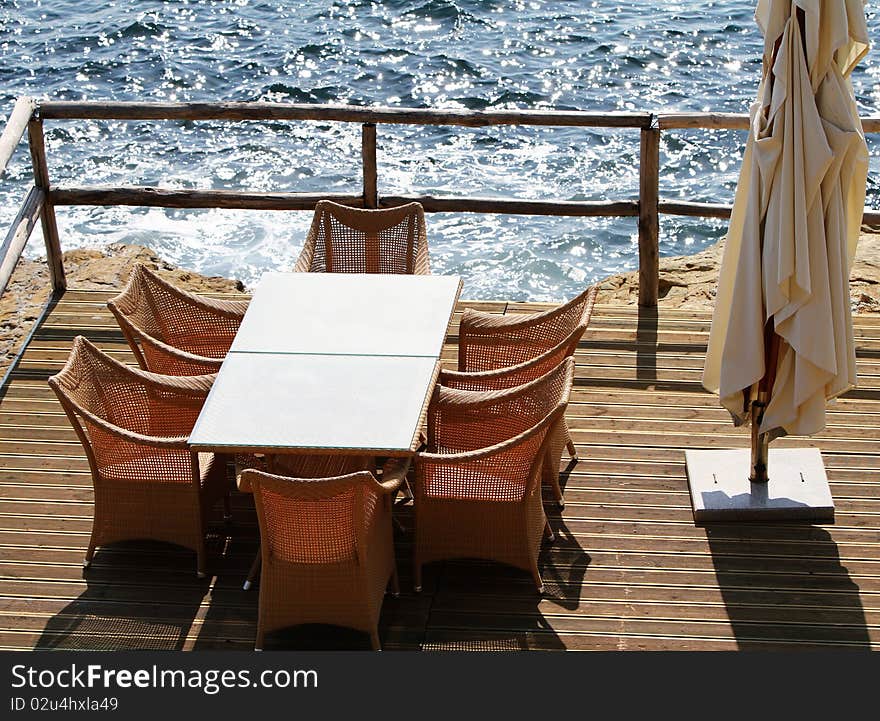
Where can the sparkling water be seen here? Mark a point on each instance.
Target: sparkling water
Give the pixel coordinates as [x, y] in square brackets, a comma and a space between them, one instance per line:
[661, 56]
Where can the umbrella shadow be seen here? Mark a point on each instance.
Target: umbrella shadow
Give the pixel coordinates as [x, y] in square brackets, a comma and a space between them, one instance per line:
[786, 589]
[758, 499]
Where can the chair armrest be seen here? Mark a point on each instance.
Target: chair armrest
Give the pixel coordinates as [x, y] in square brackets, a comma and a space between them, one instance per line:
[190, 386]
[393, 474]
[182, 356]
[232, 309]
[483, 323]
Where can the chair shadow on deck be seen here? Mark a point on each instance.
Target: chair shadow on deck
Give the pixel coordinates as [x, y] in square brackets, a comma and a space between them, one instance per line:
[139, 595]
[492, 607]
[786, 589]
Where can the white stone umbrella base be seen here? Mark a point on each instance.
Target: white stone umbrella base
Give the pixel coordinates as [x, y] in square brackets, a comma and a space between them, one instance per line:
[721, 490]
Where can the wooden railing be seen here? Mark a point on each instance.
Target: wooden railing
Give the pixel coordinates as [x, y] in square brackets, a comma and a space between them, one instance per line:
[29, 115]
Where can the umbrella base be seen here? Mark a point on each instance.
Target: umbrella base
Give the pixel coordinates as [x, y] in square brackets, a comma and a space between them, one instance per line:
[721, 490]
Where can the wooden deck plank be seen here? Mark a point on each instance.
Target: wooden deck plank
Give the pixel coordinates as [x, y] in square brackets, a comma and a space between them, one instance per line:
[629, 569]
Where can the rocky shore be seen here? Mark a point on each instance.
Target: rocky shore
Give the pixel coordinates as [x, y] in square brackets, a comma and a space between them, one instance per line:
[689, 281]
[28, 289]
[685, 282]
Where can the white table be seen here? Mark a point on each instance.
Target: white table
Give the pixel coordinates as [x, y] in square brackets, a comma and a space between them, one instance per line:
[327, 362]
[349, 314]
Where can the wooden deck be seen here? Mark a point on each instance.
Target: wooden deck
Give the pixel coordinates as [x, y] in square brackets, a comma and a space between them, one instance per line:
[629, 569]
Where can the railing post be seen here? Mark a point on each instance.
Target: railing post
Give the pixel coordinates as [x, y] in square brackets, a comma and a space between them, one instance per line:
[47, 217]
[649, 219]
[368, 156]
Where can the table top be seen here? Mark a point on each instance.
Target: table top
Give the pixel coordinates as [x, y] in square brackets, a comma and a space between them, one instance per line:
[349, 314]
[271, 402]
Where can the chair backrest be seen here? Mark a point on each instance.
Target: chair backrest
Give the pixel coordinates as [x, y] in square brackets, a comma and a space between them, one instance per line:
[488, 342]
[314, 521]
[513, 376]
[148, 302]
[354, 240]
[150, 305]
[461, 420]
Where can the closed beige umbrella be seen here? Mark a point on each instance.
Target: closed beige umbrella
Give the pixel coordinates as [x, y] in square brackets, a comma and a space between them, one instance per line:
[782, 312]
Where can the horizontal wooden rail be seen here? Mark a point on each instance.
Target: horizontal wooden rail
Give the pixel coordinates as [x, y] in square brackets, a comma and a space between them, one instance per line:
[19, 232]
[721, 121]
[15, 127]
[647, 208]
[731, 121]
[514, 206]
[720, 210]
[171, 198]
[345, 113]
[697, 210]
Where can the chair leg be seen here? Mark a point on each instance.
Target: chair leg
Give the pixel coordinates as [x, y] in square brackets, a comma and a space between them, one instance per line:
[200, 559]
[548, 532]
[572, 450]
[254, 570]
[395, 583]
[374, 640]
[557, 490]
[90, 554]
[417, 576]
[398, 525]
[227, 508]
[536, 575]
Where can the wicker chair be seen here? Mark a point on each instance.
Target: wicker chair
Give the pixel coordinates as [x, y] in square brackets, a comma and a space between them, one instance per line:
[327, 549]
[352, 240]
[172, 331]
[478, 484]
[301, 466]
[517, 375]
[490, 342]
[134, 427]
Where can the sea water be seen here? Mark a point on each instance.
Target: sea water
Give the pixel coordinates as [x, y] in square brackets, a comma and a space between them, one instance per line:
[659, 56]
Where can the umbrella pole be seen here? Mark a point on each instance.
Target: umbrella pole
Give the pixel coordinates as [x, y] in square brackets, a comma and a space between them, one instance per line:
[760, 446]
[761, 441]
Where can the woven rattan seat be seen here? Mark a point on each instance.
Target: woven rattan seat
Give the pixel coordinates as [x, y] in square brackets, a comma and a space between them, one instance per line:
[478, 484]
[503, 350]
[172, 331]
[134, 427]
[354, 240]
[327, 549]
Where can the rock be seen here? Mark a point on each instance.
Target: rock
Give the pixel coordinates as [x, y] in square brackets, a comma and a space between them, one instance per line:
[691, 281]
[87, 269]
[685, 282]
